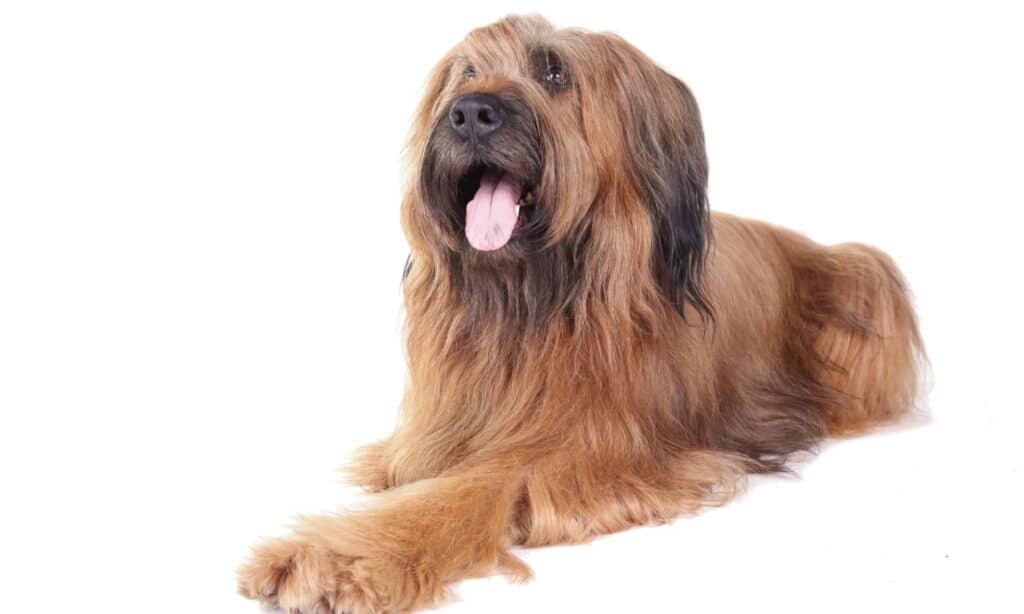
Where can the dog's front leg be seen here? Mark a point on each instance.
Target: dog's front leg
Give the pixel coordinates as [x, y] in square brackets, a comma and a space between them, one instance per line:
[397, 554]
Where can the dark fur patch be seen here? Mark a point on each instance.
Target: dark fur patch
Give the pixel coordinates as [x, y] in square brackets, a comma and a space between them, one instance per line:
[674, 184]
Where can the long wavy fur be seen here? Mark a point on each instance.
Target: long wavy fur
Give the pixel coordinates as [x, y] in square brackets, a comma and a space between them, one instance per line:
[627, 358]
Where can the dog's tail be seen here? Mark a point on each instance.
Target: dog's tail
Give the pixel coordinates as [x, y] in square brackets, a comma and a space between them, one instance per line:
[865, 336]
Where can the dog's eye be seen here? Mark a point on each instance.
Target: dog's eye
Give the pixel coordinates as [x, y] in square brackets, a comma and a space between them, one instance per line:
[469, 73]
[549, 70]
[555, 77]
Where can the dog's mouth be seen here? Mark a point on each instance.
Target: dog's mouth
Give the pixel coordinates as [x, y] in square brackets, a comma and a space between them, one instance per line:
[497, 202]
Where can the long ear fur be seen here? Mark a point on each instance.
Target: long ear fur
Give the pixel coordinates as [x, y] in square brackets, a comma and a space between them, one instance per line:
[675, 184]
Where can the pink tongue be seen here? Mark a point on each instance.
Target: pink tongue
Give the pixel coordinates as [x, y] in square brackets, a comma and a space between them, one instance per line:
[491, 215]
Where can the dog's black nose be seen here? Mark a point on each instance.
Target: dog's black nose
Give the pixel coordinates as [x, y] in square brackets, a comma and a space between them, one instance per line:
[476, 115]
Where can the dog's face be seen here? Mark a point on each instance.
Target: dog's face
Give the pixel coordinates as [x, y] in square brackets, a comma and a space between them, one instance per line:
[540, 145]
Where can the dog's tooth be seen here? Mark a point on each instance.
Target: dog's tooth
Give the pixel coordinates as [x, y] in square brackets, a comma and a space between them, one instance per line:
[517, 209]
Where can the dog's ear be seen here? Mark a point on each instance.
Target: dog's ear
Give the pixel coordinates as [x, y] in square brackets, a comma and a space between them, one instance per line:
[674, 171]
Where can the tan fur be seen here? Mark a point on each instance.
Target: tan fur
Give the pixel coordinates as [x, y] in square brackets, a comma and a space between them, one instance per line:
[616, 411]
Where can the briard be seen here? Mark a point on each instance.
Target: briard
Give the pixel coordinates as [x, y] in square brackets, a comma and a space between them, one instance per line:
[589, 347]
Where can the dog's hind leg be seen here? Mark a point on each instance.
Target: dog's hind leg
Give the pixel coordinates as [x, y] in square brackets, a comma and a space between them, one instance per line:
[865, 336]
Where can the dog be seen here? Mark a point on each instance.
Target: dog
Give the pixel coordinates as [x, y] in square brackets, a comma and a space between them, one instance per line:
[589, 347]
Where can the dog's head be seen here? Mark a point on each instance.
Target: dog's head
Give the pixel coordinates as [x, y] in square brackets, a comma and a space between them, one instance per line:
[564, 149]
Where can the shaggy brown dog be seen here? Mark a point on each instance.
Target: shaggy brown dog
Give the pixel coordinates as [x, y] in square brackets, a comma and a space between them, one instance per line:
[583, 356]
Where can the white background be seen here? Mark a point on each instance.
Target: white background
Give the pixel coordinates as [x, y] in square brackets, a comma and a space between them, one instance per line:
[200, 257]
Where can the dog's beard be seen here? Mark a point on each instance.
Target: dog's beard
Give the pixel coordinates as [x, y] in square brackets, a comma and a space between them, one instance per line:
[515, 279]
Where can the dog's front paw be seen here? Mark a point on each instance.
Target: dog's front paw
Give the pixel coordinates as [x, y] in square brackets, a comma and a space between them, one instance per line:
[299, 576]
